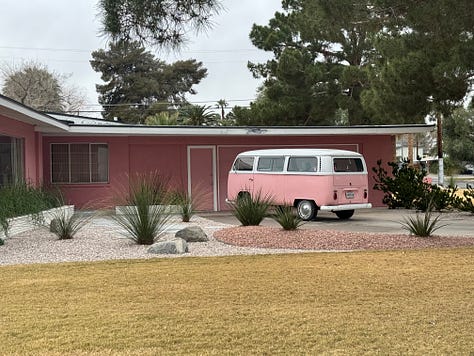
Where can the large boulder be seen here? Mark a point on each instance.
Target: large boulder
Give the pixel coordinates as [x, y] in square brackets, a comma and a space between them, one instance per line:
[175, 247]
[192, 234]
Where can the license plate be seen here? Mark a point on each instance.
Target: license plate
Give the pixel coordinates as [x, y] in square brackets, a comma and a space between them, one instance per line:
[349, 195]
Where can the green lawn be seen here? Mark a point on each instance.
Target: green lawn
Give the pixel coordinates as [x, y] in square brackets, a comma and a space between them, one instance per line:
[404, 302]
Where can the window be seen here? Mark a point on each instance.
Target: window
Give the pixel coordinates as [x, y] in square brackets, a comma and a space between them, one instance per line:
[11, 160]
[348, 165]
[302, 164]
[79, 163]
[270, 164]
[244, 164]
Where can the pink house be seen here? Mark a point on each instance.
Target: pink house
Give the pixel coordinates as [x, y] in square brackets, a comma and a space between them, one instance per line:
[91, 159]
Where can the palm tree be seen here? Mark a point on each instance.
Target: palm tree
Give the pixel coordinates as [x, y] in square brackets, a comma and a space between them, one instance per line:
[198, 115]
[163, 118]
[222, 104]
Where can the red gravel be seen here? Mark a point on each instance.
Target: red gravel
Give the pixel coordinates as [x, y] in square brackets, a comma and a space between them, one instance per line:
[330, 240]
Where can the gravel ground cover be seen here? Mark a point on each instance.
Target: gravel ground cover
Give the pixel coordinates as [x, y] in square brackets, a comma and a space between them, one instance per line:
[331, 240]
[101, 239]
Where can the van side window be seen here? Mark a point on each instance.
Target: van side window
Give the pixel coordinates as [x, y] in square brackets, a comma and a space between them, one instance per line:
[244, 164]
[302, 164]
[270, 164]
[348, 165]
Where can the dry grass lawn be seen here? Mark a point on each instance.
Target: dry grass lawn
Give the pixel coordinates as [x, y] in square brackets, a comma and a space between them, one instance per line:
[403, 302]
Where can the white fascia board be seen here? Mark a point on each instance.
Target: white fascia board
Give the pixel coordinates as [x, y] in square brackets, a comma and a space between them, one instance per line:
[247, 131]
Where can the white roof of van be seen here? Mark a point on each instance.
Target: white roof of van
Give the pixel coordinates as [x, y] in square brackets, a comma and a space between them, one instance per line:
[299, 152]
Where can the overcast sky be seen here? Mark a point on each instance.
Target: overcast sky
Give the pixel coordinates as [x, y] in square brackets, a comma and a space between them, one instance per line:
[62, 34]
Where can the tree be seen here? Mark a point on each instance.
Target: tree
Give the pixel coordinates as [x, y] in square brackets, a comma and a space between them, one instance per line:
[158, 22]
[164, 118]
[34, 85]
[138, 85]
[458, 136]
[197, 115]
[322, 50]
[222, 104]
[426, 59]
[426, 64]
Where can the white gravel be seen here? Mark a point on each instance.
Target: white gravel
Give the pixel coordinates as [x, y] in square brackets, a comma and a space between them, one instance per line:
[102, 239]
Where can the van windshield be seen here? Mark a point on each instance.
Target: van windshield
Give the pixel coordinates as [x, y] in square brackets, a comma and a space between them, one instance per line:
[243, 164]
[348, 165]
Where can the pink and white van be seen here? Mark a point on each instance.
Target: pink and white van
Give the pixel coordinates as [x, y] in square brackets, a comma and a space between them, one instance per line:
[308, 179]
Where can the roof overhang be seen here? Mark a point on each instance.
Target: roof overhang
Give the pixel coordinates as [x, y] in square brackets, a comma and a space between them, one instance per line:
[42, 123]
[54, 126]
[139, 130]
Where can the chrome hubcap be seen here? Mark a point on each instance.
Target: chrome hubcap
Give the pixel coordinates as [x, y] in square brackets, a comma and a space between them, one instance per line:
[305, 210]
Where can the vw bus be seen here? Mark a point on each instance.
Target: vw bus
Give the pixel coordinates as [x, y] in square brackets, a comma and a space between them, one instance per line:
[308, 179]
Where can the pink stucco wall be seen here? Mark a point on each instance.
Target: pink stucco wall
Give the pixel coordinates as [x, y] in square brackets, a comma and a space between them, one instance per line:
[33, 147]
[169, 156]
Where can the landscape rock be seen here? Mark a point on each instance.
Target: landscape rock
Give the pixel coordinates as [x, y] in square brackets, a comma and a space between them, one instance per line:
[192, 234]
[169, 247]
[54, 225]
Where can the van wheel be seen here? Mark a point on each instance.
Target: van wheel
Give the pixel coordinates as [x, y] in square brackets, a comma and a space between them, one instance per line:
[344, 214]
[306, 210]
[243, 196]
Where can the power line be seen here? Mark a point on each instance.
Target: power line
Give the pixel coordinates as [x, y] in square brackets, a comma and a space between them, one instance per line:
[167, 102]
[78, 50]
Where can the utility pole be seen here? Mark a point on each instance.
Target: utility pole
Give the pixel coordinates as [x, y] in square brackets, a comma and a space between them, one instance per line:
[440, 149]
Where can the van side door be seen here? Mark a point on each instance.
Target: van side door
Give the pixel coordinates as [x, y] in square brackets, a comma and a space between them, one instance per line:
[269, 179]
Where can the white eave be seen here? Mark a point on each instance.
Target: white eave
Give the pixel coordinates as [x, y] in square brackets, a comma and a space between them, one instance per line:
[42, 123]
[65, 125]
[136, 130]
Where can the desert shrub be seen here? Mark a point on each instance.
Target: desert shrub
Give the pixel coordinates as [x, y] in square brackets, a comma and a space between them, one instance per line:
[4, 225]
[467, 202]
[1, 242]
[144, 212]
[22, 199]
[406, 187]
[422, 224]
[65, 225]
[287, 218]
[437, 198]
[403, 187]
[186, 203]
[251, 210]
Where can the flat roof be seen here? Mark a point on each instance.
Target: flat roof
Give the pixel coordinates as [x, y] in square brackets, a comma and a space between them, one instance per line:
[69, 125]
[143, 130]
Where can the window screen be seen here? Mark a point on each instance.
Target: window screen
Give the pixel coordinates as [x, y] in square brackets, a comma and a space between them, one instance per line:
[271, 164]
[79, 163]
[348, 165]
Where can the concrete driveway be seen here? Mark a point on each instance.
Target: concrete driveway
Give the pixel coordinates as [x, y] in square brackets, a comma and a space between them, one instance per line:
[371, 220]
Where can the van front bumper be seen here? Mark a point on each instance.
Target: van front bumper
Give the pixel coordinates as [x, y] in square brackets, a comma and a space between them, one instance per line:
[345, 207]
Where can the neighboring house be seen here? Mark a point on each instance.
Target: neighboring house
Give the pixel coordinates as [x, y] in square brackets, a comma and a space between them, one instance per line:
[409, 148]
[91, 159]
